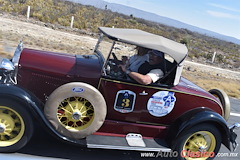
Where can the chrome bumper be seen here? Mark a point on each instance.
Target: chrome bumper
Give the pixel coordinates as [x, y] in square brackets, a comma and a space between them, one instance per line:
[233, 135]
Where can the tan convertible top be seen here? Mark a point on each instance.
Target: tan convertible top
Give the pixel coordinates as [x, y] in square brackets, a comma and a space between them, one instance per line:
[148, 40]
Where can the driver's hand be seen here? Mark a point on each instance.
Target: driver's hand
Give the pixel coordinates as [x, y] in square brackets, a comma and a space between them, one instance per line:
[123, 67]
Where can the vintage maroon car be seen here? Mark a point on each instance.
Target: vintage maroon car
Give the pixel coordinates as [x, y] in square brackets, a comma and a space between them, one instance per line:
[88, 100]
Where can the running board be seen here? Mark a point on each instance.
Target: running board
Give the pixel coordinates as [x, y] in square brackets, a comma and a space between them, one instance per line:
[130, 142]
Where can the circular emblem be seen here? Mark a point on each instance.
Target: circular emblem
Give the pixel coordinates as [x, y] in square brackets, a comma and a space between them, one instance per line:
[161, 103]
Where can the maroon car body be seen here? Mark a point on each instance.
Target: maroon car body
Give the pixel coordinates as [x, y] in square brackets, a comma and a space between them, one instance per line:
[51, 70]
[40, 73]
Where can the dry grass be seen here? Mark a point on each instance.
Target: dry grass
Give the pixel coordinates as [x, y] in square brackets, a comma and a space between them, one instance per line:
[58, 42]
[204, 80]
[63, 45]
[3, 53]
[88, 18]
[207, 82]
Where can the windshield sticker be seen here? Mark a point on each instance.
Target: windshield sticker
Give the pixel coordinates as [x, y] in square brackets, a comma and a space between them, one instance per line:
[124, 102]
[161, 103]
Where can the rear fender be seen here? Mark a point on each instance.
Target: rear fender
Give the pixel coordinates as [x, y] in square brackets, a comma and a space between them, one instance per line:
[193, 118]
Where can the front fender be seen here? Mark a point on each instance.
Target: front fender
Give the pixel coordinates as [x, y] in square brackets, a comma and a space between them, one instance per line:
[34, 106]
[21, 95]
[205, 116]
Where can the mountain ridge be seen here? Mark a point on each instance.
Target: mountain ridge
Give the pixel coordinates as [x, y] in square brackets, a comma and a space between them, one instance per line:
[155, 18]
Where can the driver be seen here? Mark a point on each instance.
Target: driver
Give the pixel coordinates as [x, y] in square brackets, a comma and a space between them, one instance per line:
[149, 72]
[137, 60]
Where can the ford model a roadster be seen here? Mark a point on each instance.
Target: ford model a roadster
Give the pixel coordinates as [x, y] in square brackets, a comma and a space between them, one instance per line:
[88, 100]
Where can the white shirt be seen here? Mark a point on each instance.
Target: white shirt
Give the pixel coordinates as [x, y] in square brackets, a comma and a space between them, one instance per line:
[155, 74]
[136, 61]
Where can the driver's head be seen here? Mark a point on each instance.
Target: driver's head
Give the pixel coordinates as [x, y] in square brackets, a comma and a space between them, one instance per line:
[155, 57]
[142, 51]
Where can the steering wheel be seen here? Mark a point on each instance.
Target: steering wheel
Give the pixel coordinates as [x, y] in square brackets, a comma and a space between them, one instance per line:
[113, 69]
[115, 59]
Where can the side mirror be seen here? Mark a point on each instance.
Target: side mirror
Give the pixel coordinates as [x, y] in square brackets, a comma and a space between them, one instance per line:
[6, 65]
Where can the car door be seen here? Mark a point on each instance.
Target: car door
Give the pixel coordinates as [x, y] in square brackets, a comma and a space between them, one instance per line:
[131, 102]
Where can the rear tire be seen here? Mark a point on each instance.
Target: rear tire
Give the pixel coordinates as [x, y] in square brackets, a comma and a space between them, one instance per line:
[203, 138]
[16, 127]
[223, 97]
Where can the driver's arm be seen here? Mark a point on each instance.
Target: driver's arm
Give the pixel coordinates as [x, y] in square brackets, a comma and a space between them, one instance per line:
[140, 78]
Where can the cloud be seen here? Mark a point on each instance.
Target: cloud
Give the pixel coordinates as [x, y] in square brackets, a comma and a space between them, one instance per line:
[223, 15]
[224, 7]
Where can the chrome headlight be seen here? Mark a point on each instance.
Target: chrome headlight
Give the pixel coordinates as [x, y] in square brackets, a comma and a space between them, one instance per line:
[6, 65]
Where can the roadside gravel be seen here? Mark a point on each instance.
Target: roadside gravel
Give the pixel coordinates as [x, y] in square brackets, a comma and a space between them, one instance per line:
[215, 71]
[40, 36]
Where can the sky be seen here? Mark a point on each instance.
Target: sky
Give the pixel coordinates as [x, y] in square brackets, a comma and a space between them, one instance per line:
[221, 16]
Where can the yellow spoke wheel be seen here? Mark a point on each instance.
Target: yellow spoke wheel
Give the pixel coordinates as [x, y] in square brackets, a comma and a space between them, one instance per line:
[199, 146]
[16, 126]
[200, 142]
[76, 110]
[11, 126]
[75, 113]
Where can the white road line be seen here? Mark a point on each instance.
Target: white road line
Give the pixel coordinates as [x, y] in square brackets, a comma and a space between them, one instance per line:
[235, 114]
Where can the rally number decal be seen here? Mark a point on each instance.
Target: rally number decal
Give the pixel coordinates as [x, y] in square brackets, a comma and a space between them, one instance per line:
[125, 100]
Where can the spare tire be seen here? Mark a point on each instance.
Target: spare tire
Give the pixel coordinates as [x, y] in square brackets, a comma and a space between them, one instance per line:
[223, 97]
[76, 109]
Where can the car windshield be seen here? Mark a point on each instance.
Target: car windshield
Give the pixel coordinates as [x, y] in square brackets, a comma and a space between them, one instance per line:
[105, 46]
[117, 53]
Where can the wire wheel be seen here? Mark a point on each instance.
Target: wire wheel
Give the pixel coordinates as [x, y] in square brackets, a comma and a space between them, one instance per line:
[200, 142]
[11, 126]
[199, 146]
[75, 113]
[16, 126]
[76, 110]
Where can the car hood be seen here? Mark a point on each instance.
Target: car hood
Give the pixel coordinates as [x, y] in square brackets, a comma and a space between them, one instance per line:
[86, 68]
[191, 88]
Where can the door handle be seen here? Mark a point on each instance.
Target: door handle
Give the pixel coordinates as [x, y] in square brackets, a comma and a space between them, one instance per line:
[143, 93]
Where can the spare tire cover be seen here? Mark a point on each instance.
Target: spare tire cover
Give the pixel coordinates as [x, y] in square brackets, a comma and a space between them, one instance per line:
[76, 109]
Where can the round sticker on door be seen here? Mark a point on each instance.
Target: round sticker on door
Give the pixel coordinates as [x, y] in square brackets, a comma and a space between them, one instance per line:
[161, 103]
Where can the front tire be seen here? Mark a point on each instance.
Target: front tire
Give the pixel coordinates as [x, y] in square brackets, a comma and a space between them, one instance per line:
[201, 142]
[16, 127]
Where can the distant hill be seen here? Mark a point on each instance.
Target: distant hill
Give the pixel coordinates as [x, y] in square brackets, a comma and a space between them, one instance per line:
[57, 14]
[154, 17]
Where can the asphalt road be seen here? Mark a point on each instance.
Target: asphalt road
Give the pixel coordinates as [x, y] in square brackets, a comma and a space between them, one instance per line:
[45, 147]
